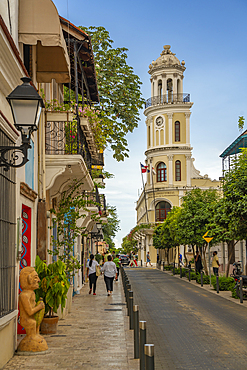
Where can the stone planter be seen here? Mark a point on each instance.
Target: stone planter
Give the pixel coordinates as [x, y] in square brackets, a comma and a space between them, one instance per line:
[49, 325]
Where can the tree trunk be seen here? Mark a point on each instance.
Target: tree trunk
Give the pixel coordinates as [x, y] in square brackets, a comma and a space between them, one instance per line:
[186, 261]
[174, 257]
[231, 255]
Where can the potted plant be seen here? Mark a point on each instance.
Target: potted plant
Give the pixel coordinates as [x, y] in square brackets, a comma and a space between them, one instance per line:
[53, 288]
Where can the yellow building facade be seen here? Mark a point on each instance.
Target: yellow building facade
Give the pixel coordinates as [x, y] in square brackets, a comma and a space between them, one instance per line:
[169, 153]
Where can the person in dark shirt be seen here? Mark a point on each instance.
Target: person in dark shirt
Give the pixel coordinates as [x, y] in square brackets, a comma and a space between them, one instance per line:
[198, 263]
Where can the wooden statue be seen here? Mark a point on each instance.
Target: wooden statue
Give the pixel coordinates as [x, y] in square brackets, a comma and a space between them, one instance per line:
[33, 341]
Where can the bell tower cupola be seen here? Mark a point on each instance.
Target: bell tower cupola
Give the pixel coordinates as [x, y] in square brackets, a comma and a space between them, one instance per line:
[168, 121]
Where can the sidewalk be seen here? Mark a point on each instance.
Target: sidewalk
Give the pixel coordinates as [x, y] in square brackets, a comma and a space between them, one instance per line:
[95, 335]
[226, 294]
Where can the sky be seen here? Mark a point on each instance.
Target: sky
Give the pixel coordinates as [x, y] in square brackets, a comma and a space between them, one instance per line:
[210, 36]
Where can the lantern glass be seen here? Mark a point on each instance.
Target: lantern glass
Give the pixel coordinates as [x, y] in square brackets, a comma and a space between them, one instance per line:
[25, 112]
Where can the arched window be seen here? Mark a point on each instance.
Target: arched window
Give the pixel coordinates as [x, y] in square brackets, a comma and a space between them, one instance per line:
[161, 211]
[177, 171]
[161, 172]
[169, 90]
[177, 131]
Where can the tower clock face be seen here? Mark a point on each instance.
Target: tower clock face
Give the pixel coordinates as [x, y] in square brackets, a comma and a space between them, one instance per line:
[159, 121]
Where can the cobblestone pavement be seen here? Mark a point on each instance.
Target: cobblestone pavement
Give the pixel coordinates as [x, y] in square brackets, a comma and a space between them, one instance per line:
[190, 327]
[94, 335]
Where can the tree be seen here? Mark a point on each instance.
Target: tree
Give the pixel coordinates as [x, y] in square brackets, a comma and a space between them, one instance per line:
[224, 227]
[196, 213]
[241, 120]
[111, 228]
[119, 91]
[129, 244]
[235, 191]
[235, 201]
[165, 235]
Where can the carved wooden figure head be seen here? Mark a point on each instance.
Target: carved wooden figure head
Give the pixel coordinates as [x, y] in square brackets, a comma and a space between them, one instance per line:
[29, 278]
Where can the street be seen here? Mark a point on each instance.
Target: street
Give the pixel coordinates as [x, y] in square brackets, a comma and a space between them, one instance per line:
[189, 327]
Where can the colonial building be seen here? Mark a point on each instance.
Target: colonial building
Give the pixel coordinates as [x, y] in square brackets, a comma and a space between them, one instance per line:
[169, 152]
[33, 44]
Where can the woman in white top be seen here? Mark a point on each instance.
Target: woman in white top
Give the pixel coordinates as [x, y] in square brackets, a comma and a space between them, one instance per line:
[110, 271]
[91, 273]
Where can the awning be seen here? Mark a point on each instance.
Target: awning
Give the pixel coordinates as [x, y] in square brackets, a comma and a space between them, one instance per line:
[39, 24]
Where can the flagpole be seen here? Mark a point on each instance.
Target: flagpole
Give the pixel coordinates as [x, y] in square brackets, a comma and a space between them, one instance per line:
[151, 172]
[144, 193]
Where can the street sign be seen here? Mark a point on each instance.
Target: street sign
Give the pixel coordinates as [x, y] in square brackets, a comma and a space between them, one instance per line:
[207, 238]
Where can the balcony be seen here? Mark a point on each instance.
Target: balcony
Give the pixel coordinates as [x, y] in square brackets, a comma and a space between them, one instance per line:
[169, 98]
[69, 151]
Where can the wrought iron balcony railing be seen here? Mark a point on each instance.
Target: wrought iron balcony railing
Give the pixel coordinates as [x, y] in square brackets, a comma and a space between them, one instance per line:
[168, 98]
[71, 137]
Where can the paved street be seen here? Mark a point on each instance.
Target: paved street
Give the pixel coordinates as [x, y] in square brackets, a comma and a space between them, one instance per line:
[190, 327]
[94, 335]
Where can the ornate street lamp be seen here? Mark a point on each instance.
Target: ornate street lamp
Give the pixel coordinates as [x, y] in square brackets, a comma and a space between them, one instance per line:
[26, 106]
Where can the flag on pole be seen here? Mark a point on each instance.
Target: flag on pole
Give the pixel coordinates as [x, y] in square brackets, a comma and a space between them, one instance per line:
[153, 171]
[144, 168]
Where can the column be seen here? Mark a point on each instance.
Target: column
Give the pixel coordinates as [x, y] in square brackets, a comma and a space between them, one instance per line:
[170, 169]
[169, 115]
[187, 116]
[152, 87]
[188, 167]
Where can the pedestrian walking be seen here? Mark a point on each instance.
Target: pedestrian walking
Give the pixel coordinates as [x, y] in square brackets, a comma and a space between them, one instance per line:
[135, 258]
[132, 260]
[107, 253]
[198, 262]
[180, 257]
[215, 264]
[91, 274]
[117, 262]
[148, 260]
[110, 271]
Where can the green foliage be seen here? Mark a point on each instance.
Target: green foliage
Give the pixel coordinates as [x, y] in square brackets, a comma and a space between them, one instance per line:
[111, 228]
[53, 286]
[167, 268]
[157, 237]
[234, 294]
[241, 123]
[235, 195]
[129, 243]
[119, 91]
[196, 212]
[206, 279]
[169, 229]
[225, 283]
[98, 257]
[193, 275]
[177, 271]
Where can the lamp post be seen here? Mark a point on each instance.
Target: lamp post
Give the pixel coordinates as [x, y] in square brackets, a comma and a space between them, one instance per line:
[26, 105]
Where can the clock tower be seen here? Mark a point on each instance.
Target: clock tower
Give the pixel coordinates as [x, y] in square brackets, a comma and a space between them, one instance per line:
[169, 152]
